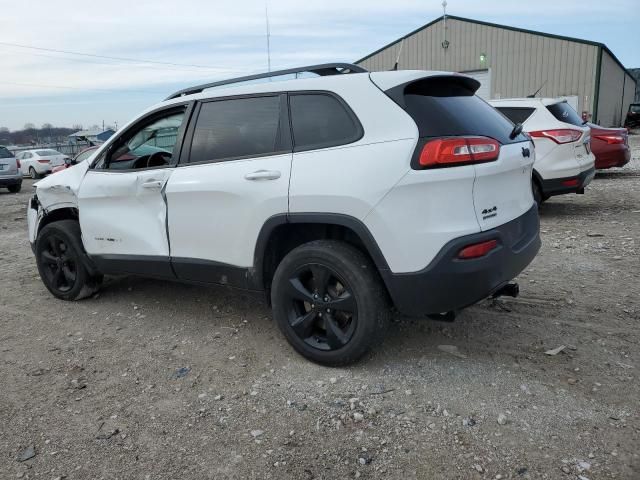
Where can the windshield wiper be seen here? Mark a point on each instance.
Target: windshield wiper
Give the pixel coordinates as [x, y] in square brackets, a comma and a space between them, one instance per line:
[517, 130]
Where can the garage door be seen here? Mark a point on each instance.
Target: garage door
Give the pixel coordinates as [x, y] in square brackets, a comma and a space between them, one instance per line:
[484, 77]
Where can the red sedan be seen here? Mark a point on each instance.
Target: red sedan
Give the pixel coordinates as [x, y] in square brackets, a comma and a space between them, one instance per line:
[610, 146]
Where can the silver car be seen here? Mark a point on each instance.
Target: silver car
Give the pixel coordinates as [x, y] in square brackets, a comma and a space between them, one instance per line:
[10, 175]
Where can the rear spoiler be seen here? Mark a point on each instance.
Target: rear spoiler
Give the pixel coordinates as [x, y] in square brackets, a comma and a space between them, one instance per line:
[396, 85]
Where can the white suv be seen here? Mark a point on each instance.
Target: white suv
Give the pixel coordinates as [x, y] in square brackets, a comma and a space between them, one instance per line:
[564, 162]
[336, 195]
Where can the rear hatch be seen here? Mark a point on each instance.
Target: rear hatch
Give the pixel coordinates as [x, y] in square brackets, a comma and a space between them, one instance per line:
[446, 110]
[8, 163]
[563, 112]
[54, 157]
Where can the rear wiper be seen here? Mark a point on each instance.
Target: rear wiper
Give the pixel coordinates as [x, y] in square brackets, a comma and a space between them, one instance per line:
[517, 130]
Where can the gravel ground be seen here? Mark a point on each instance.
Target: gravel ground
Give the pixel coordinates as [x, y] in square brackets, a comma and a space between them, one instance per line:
[156, 380]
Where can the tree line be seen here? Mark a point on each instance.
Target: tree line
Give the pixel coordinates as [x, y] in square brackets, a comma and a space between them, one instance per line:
[32, 135]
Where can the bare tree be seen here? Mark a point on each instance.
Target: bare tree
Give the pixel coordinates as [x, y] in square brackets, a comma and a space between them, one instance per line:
[29, 126]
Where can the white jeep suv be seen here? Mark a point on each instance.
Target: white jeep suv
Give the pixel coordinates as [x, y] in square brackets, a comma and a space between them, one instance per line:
[336, 195]
[564, 162]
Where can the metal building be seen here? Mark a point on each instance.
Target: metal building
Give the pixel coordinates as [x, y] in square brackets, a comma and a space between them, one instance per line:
[513, 62]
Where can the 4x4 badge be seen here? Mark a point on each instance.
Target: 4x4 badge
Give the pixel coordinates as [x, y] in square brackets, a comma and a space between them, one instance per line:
[489, 212]
[526, 152]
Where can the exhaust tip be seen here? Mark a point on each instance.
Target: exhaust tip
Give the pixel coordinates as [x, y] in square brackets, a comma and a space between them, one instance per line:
[508, 290]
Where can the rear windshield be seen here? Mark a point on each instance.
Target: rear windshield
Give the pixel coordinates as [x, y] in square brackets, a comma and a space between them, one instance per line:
[47, 153]
[564, 113]
[443, 107]
[4, 153]
[516, 114]
[635, 109]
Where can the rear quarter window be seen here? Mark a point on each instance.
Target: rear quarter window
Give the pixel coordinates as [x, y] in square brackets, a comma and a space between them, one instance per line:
[516, 114]
[320, 120]
[5, 153]
[446, 106]
[563, 112]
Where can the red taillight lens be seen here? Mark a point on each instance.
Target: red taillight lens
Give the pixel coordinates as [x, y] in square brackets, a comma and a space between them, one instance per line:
[561, 135]
[44, 161]
[448, 152]
[610, 139]
[477, 249]
[17, 163]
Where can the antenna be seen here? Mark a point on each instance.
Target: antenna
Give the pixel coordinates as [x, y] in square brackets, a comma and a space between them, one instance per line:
[395, 66]
[445, 42]
[533, 95]
[266, 14]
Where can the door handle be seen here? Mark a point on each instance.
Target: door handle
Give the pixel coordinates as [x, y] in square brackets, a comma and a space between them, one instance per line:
[152, 184]
[263, 175]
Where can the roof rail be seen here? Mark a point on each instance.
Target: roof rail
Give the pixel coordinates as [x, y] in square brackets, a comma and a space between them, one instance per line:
[322, 70]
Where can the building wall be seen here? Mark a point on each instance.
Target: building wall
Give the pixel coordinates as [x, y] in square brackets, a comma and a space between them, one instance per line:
[520, 62]
[636, 74]
[617, 90]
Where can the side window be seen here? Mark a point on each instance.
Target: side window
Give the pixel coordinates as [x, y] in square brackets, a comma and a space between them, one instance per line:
[516, 114]
[149, 145]
[4, 153]
[236, 128]
[320, 120]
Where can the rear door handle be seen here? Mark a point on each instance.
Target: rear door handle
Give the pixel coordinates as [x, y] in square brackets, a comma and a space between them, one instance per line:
[152, 184]
[263, 175]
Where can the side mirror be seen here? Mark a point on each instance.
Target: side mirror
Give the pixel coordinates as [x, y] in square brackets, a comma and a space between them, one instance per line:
[68, 162]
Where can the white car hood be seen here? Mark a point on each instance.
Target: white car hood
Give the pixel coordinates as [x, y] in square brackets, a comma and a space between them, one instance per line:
[61, 188]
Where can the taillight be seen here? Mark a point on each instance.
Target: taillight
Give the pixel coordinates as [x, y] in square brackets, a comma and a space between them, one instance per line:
[17, 163]
[44, 161]
[561, 135]
[477, 250]
[450, 152]
[610, 139]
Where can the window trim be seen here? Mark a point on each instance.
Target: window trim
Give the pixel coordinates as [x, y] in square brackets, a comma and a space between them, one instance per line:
[145, 120]
[319, 146]
[284, 142]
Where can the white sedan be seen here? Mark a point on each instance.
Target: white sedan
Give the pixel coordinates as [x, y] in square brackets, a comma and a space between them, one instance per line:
[39, 162]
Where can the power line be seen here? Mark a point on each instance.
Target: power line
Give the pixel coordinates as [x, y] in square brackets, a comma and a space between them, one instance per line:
[37, 85]
[122, 59]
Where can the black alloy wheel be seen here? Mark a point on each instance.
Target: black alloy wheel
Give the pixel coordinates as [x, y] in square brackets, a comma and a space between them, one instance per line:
[322, 310]
[59, 264]
[329, 302]
[63, 263]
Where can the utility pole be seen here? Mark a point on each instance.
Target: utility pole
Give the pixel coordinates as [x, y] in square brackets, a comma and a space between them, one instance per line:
[266, 13]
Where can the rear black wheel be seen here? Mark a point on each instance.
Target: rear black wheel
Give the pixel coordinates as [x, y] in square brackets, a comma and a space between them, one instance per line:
[62, 261]
[537, 193]
[15, 188]
[329, 302]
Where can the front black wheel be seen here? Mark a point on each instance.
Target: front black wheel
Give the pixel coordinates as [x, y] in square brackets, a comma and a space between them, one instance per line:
[33, 174]
[61, 261]
[329, 302]
[15, 188]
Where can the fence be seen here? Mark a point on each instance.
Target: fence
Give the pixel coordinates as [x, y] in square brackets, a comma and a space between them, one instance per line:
[70, 149]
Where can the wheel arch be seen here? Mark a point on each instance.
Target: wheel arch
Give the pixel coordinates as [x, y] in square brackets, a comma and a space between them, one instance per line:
[62, 213]
[282, 233]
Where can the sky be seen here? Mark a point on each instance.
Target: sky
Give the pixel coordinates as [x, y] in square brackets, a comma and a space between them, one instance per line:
[196, 41]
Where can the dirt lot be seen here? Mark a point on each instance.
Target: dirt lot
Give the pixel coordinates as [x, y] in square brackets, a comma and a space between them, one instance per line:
[158, 380]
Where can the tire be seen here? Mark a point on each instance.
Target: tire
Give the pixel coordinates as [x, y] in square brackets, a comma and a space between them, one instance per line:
[349, 313]
[33, 174]
[537, 193]
[62, 261]
[15, 188]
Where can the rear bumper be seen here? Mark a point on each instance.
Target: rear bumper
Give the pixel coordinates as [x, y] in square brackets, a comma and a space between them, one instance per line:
[8, 181]
[614, 158]
[449, 283]
[560, 186]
